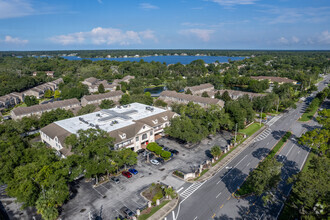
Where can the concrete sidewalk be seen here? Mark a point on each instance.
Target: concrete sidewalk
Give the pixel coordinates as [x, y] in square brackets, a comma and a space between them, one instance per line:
[164, 211]
[220, 165]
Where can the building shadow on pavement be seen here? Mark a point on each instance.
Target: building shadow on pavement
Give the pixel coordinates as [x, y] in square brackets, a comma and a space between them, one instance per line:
[278, 134]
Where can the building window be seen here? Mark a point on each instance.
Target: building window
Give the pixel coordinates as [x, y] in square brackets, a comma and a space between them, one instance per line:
[137, 138]
[144, 136]
[151, 133]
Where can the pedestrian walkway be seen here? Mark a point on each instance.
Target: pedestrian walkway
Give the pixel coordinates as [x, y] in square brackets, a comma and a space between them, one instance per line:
[191, 189]
[263, 135]
[273, 120]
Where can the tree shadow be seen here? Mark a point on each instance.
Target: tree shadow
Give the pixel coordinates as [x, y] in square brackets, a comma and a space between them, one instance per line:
[233, 179]
[208, 154]
[260, 153]
[278, 134]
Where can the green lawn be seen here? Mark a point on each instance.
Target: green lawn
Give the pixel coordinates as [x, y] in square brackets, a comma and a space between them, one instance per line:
[203, 172]
[309, 115]
[153, 211]
[279, 145]
[251, 129]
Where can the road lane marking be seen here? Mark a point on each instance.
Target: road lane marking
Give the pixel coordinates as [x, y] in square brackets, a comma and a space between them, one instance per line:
[289, 150]
[305, 159]
[173, 215]
[221, 206]
[218, 195]
[229, 197]
[248, 164]
[280, 211]
[267, 143]
[180, 189]
[195, 218]
[231, 169]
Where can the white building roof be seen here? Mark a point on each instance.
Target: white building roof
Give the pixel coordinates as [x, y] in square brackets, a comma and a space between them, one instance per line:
[110, 119]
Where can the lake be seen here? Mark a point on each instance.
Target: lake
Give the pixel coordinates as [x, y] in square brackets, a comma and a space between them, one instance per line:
[166, 59]
[155, 91]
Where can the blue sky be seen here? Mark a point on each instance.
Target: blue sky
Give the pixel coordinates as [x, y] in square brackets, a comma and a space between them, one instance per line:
[164, 24]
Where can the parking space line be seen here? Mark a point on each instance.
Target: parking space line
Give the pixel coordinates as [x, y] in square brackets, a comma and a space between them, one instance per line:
[98, 192]
[218, 195]
[180, 189]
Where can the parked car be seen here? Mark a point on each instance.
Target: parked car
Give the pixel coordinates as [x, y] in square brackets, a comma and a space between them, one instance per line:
[175, 152]
[160, 160]
[154, 162]
[115, 179]
[133, 171]
[127, 174]
[141, 151]
[166, 148]
[127, 212]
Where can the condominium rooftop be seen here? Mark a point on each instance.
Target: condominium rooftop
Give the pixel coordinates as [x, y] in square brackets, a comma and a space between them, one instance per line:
[200, 87]
[110, 119]
[44, 107]
[90, 98]
[191, 98]
[274, 79]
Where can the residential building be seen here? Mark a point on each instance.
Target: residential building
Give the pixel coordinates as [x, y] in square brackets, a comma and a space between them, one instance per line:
[10, 100]
[50, 74]
[20, 112]
[235, 94]
[172, 97]
[198, 90]
[93, 84]
[97, 99]
[126, 79]
[133, 126]
[272, 79]
[39, 91]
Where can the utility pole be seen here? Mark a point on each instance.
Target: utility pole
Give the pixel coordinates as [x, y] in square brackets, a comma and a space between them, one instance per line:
[278, 103]
[235, 133]
[261, 116]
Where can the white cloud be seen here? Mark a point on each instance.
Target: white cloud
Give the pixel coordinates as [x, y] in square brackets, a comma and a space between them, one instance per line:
[324, 37]
[190, 24]
[203, 34]
[295, 39]
[148, 6]
[283, 40]
[108, 36]
[234, 2]
[14, 40]
[15, 8]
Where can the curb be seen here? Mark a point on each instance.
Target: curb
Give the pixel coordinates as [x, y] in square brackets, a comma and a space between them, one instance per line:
[155, 217]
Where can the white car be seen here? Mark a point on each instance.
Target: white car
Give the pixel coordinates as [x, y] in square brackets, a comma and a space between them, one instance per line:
[154, 162]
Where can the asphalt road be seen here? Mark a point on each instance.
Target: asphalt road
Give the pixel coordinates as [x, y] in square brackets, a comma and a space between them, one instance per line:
[213, 198]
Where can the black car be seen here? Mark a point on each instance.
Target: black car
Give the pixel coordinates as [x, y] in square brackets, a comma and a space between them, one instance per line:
[175, 152]
[127, 213]
[166, 148]
[160, 160]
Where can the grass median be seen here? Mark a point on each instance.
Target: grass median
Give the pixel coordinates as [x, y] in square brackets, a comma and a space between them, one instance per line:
[153, 211]
[246, 188]
[309, 115]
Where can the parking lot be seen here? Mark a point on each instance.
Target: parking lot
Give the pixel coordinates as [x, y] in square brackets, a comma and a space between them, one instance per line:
[107, 199]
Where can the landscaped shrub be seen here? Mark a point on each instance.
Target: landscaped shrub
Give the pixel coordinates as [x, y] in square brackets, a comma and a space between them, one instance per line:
[165, 154]
[158, 195]
[153, 146]
[178, 173]
[158, 151]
